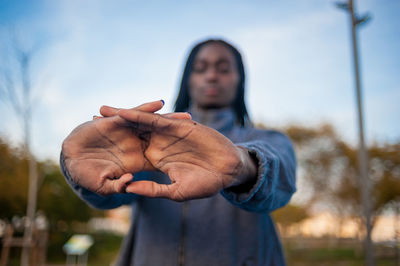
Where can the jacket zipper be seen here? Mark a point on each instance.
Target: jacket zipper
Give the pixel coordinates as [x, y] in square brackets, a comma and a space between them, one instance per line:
[181, 255]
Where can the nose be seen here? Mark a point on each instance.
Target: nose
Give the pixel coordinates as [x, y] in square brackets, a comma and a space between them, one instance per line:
[211, 74]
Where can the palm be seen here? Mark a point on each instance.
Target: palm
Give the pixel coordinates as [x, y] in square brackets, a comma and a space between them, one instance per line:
[98, 153]
[101, 155]
[199, 160]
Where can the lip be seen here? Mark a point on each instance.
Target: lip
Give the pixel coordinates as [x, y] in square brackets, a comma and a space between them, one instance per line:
[211, 91]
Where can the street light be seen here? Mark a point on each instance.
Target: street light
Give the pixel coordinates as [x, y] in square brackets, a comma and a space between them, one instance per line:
[364, 181]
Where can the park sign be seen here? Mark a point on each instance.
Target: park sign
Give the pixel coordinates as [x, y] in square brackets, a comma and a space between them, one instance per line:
[78, 245]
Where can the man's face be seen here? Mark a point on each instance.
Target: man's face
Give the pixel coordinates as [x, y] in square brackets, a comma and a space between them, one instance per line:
[214, 78]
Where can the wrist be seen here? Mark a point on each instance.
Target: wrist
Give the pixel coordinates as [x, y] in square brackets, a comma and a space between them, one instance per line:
[248, 170]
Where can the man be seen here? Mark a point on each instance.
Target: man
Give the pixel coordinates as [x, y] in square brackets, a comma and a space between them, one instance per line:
[235, 173]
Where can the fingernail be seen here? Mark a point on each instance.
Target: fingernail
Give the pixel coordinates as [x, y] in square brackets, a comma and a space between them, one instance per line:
[162, 102]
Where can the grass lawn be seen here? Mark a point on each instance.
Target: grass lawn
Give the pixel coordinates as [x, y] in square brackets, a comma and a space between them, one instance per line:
[298, 252]
[336, 253]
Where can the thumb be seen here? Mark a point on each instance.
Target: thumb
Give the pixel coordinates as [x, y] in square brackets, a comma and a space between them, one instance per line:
[154, 190]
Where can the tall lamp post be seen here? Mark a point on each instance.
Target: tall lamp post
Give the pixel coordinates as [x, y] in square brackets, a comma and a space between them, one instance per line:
[364, 181]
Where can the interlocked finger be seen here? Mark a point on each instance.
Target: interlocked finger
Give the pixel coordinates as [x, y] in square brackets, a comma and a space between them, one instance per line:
[118, 185]
[149, 121]
[151, 107]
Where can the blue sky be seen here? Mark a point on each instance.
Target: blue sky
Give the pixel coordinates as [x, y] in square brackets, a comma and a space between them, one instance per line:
[123, 53]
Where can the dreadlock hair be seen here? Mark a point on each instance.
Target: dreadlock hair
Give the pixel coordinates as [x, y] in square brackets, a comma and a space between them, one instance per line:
[183, 100]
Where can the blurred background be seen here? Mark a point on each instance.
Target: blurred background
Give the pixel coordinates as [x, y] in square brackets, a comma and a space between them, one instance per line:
[61, 60]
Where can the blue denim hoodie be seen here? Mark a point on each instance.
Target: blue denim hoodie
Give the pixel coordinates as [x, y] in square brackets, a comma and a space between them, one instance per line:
[230, 228]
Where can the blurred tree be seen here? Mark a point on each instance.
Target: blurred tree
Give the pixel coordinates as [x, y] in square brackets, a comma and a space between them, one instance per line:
[384, 171]
[58, 200]
[16, 89]
[328, 169]
[14, 181]
[289, 215]
[55, 197]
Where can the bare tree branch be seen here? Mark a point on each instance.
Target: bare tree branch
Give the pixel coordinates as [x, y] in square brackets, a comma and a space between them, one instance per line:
[16, 88]
[11, 92]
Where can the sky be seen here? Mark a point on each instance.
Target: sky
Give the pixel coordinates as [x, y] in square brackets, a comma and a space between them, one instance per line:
[297, 57]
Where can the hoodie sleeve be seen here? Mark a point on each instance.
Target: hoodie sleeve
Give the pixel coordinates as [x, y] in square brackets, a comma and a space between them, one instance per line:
[276, 176]
[93, 199]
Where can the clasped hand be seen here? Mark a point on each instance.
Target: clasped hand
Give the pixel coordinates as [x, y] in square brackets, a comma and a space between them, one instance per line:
[104, 154]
